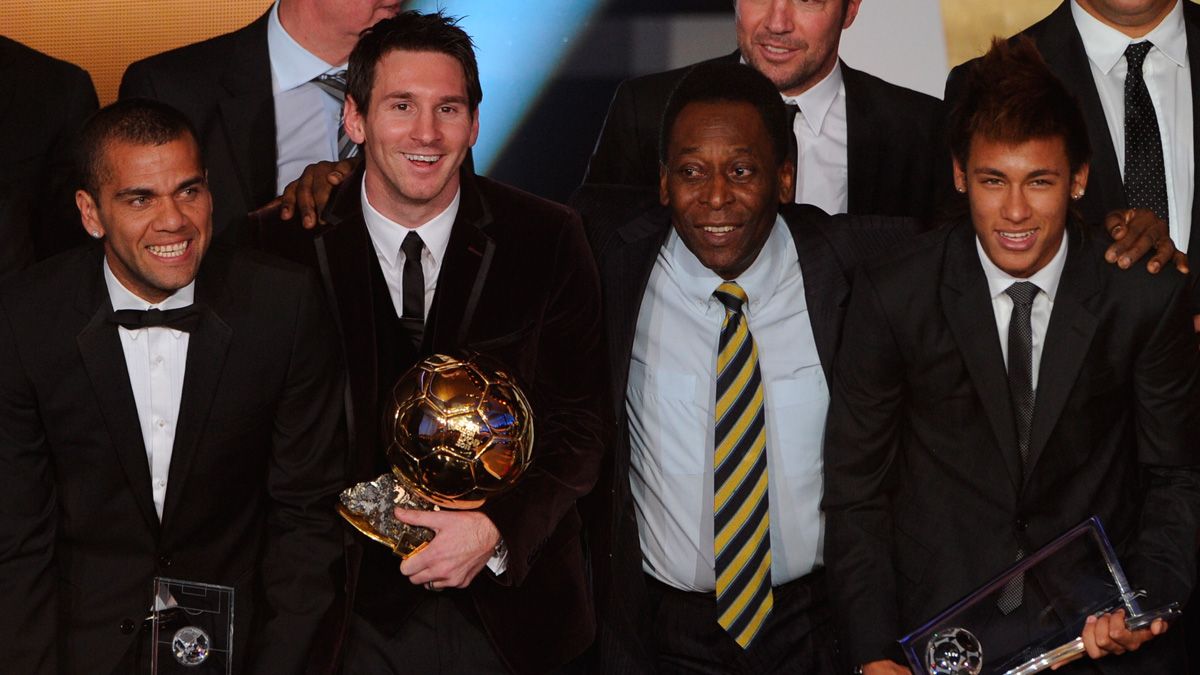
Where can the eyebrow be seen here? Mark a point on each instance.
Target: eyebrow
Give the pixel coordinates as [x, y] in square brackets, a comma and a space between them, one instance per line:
[1036, 173]
[741, 149]
[148, 192]
[400, 95]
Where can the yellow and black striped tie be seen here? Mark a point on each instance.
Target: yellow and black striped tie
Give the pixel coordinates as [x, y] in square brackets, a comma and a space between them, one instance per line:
[742, 532]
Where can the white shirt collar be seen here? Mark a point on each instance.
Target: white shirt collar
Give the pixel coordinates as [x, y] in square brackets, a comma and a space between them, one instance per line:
[759, 280]
[388, 235]
[1106, 45]
[291, 64]
[123, 298]
[816, 101]
[1045, 279]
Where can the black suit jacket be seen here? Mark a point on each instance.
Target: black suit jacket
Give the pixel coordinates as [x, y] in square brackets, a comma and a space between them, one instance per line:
[256, 461]
[43, 104]
[894, 136]
[1058, 40]
[516, 284]
[921, 443]
[223, 85]
[627, 229]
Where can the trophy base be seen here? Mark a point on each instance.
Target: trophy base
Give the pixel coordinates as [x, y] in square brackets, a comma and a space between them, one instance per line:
[368, 507]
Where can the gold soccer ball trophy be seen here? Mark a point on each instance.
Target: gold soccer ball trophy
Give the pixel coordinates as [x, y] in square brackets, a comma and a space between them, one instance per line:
[457, 433]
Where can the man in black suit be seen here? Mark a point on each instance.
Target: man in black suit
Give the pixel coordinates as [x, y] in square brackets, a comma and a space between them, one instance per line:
[200, 439]
[1084, 43]
[726, 214]
[1000, 380]
[853, 129]
[422, 257]
[43, 104]
[254, 96]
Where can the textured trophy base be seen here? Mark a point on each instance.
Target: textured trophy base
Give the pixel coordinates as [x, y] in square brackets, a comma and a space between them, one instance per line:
[368, 507]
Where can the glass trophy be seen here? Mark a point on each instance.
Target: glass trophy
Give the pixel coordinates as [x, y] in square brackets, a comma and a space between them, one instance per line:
[192, 628]
[1029, 618]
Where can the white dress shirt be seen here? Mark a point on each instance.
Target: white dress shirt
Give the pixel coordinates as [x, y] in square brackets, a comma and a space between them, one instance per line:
[821, 136]
[1169, 81]
[670, 402]
[306, 118]
[156, 359]
[1046, 279]
[387, 236]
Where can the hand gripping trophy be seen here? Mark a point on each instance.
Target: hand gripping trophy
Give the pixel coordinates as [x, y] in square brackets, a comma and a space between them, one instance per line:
[458, 433]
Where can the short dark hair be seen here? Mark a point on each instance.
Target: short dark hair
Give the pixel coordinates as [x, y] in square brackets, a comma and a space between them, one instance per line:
[141, 121]
[1012, 97]
[411, 31]
[713, 81]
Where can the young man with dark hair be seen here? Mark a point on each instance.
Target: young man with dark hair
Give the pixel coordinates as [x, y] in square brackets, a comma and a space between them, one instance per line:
[423, 257]
[166, 409]
[1077, 395]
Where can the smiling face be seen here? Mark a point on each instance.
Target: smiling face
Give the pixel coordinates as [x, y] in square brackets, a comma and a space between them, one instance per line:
[793, 42]
[154, 211]
[723, 184]
[1020, 196]
[416, 134]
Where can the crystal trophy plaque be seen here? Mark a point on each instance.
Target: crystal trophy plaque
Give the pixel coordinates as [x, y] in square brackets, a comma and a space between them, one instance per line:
[1029, 618]
[192, 628]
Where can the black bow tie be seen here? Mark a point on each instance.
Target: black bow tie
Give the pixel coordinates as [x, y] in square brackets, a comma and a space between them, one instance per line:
[181, 319]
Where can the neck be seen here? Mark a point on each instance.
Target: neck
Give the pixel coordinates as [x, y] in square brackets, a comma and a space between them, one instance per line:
[304, 21]
[1132, 24]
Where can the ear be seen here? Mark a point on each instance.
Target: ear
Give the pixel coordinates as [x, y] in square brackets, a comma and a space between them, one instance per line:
[354, 120]
[960, 176]
[89, 214]
[664, 197]
[851, 13]
[787, 182]
[1079, 180]
[474, 126]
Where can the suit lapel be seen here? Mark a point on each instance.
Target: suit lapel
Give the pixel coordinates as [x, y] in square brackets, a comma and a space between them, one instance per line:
[208, 345]
[1191, 22]
[1072, 325]
[1063, 50]
[248, 113]
[625, 272]
[463, 272]
[967, 303]
[825, 287]
[861, 164]
[104, 359]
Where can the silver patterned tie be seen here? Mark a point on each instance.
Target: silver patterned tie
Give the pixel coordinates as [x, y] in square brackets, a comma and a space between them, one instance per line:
[334, 84]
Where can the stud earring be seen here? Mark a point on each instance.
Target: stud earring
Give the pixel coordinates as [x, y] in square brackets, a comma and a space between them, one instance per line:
[96, 234]
[962, 189]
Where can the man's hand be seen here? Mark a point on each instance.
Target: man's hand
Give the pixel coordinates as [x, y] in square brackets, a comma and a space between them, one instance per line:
[1136, 231]
[1106, 634]
[885, 668]
[308, 194]
[462, 544]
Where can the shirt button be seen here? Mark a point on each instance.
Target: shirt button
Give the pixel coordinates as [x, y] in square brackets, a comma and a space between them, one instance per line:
[162, 423]
[158, 360]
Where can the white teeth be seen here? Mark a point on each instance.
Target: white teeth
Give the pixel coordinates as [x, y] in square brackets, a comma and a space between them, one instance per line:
[775, 50]
[423, 158]
[720, 230]
[169, 251]
[1017, 235]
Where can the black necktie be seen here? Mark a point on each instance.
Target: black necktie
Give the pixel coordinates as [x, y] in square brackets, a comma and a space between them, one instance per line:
[793, 111]
[414, 278]
[334, 84]
[181, 319]
[1145, 179]
[1020, 388]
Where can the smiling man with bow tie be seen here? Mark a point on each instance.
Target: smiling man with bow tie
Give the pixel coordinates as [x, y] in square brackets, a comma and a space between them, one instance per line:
[165, 410]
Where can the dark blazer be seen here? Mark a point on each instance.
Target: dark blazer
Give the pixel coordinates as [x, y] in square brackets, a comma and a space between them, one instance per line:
[255, 465]
[1058, 40]
[894, 136]
[627, 229]
[921, 443]
[517, 284]
[43, 104]
[223, 85]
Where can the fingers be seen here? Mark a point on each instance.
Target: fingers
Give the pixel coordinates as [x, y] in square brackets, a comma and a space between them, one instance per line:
[1180, 261]
[265, 209]
[1196, 322]
[1106, 634]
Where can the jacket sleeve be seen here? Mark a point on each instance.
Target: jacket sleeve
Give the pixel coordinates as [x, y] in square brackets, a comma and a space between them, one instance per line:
[28, 600]
[306, 470]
